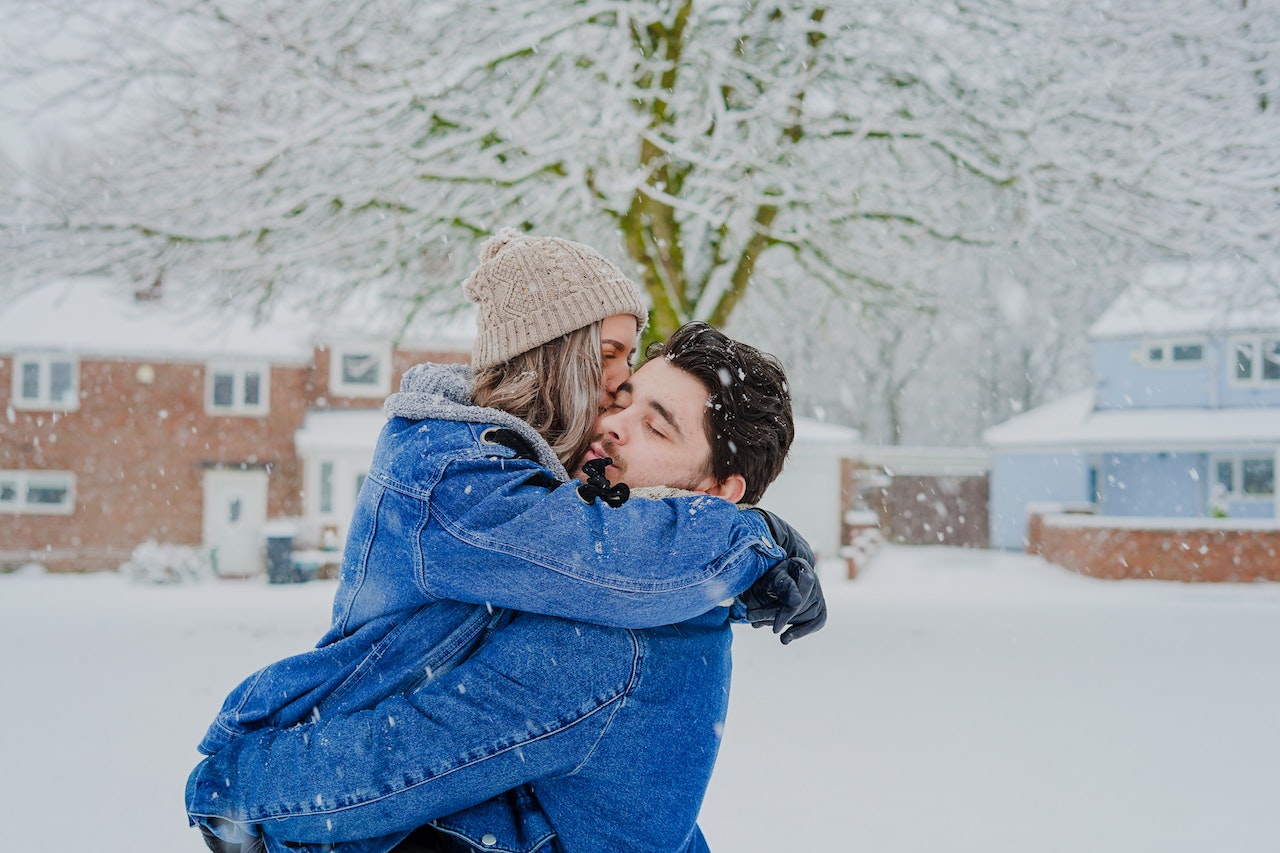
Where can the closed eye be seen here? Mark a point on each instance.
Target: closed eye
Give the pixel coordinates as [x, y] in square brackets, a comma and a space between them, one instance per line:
[614, 351]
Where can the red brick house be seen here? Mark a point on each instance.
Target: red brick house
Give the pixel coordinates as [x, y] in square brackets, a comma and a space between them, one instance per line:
[129, 419]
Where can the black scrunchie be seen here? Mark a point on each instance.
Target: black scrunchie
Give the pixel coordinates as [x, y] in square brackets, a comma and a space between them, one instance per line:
[597, 485]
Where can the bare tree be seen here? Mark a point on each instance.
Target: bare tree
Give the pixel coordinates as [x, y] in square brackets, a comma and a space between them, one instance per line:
[341, 145]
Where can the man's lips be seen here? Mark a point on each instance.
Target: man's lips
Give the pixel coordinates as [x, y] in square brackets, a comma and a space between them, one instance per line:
[597, 451]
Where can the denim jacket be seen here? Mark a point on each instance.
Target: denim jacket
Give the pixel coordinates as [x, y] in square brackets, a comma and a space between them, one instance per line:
[449, 526]
[574, 737]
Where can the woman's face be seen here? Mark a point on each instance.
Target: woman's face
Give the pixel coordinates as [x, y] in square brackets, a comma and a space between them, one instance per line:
[618, 335]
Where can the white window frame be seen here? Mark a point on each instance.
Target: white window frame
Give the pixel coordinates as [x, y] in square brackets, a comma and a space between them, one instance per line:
[1258, 342]
[44, 401]
[1167, 346]
[339, 386]
[238, 371]
[18, 484]
[1237, 461]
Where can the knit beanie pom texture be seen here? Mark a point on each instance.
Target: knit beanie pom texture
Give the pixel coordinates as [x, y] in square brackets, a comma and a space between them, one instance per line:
[495, 244]
[531, 290]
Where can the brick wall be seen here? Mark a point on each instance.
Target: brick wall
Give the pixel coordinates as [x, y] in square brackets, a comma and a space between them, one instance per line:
[1128, 548]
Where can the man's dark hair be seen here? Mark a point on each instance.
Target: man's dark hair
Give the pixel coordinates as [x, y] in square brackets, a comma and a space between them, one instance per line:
[749, 424]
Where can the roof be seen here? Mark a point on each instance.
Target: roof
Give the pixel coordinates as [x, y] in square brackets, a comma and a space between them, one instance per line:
[1072, 424]
[820, 436]
[101, 317]
[914, 460]
[1179, 299]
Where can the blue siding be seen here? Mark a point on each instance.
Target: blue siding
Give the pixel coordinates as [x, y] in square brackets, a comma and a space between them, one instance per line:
[1160, 484]
[1125, 381]
[1251, 509]
[1020, 479]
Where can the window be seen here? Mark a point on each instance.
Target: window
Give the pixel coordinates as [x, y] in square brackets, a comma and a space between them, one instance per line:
[1244, 477]
[1225, 476]
[1173, 353]
[238, 389]
[326, 487]
[46, 381]
[37, 492]
[1258, 476]
[1188, 352]
[1256, 360]
[360, 370]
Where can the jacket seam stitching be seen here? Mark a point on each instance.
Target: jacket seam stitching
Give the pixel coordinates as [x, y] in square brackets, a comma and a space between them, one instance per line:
[637, 660]
[258, 817]
[722, 566]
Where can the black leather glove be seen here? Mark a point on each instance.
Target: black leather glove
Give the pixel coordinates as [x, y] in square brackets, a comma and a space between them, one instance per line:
[789, 593]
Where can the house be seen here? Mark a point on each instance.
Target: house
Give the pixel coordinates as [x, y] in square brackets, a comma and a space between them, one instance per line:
[1182, 422]
[130, 418]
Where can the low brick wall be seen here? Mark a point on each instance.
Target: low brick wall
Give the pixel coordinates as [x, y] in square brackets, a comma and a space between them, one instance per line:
[1164, 549]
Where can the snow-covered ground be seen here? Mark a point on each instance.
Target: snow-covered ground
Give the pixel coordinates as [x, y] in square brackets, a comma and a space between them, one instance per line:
[957, 701]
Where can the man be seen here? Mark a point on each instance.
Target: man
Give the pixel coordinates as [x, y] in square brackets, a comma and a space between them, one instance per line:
[570, 736]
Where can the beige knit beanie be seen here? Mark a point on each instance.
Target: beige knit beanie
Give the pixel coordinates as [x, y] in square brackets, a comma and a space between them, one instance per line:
[531, 290]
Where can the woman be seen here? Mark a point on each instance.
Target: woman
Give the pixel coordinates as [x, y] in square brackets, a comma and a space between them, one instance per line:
[467, 506]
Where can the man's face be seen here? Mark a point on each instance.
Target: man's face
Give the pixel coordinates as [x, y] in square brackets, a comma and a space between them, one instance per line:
[654, 431]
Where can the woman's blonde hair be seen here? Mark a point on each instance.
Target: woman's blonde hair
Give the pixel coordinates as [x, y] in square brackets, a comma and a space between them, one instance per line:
[555, 388]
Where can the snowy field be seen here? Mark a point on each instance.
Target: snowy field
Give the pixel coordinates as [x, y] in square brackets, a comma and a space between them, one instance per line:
[957, 701]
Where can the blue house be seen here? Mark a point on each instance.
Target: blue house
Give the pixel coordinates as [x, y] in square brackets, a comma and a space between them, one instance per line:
[1183, 419]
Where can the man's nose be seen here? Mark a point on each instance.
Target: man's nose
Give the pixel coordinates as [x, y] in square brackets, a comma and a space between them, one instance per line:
[613, 426]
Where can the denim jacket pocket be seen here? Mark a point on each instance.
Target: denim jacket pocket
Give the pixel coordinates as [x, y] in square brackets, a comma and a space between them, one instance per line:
[509, 823]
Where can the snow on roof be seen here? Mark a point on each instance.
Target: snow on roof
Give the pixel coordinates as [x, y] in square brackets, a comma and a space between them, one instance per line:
[1072, 423]
[340, 429]
[814, 434]
[95, 316]
[910, 460]
[1178, 298]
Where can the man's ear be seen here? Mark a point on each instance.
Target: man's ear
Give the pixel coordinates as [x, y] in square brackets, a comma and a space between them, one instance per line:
[732, 488]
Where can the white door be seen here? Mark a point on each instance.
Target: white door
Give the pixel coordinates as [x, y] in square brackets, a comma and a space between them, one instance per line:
[235, 508]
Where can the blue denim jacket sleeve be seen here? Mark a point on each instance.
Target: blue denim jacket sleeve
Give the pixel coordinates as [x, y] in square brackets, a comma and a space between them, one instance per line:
[505, 718]
[547, 550]
[386, 656]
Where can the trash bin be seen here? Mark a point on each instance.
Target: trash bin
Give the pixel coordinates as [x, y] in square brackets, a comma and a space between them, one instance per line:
[279, 535]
